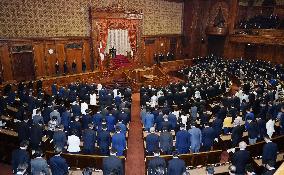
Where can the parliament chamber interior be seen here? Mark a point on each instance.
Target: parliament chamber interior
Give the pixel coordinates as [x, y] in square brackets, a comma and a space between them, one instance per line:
[155, 87]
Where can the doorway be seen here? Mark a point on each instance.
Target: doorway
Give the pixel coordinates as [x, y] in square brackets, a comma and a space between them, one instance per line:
[23, 66]
[216, 45]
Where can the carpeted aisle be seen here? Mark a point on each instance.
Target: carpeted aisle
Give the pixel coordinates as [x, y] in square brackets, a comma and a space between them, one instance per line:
[5, 169]
[135, 154]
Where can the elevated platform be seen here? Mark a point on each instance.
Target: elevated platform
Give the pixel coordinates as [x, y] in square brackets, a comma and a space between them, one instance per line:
[131, 75]
[120, 61]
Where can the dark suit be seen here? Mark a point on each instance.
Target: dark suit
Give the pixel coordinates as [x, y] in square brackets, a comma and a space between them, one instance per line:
[89, 138]
[23, 131]
[39, 165]
[237, 134]
[152, 143]
[36, 136]
[217, 126]
[176, 167]
[19, 156]
[110, 120]
[104, 140]
[166, 142]
[119, 143]
[86, 120]
[208, 135]
[112, 164]
[252, 130]
[269, 152]
[156, 163]
[182, 142]
[76, 127]
[240, 159]
[59, 139]
[58, 165]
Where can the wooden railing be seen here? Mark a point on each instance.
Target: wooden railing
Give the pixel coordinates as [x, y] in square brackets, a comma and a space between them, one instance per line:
[81, 161]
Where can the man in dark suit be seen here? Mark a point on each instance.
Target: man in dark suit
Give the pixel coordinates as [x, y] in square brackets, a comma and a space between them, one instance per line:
[176, 166]
[59, 137]
[112, 164]
[66, 119]
[261, 127]
[152, 142]
[20, 156]
[252, 131]
[39, 164]
[195, 138]
[104, 140]
[89, 139]
[119, 142]
[208, 135]
[58, 164]
[182, 141]
[166, 141]
[241, 158]
[237, 134]
[157, 164]
[269, 151]
[23, 129]
[86, 119]
[36, 135]
[76, 126]
[111, 121]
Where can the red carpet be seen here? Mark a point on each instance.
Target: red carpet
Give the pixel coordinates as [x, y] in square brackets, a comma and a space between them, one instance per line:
[135, 164]
[5, 169]
[120, 61]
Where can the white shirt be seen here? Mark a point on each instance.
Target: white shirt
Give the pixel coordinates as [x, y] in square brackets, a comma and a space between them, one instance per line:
[184, 89]
[99, 87]
[84, 107]
[73, 144]
[183, 119]
[197, 94]
[115, 92]
[270, 126]
[160, 93]
[93, 99]
[154, 100]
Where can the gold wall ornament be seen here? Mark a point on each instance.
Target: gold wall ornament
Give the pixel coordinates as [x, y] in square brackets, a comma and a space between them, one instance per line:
[54, 18]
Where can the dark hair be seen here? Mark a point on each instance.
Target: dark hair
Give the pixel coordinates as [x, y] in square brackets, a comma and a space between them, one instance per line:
[249, 168]
[113, 151]
[57, 150]
[24, 143]
[87, 171]
[22, 167]
[271, 163]
[38, 153]
[265, 136]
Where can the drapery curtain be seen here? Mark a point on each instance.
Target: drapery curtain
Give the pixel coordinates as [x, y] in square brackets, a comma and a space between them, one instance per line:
[104, 25]
[118, 39]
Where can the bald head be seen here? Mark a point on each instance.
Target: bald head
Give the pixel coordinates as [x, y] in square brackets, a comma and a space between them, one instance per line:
[242, 145]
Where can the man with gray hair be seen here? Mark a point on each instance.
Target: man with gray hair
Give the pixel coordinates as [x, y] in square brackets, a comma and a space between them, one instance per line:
[152, 141]
[241, 158]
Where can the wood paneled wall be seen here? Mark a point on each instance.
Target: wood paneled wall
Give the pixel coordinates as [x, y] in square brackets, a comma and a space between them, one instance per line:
[271, 53]
[161, 44]
[197, 16]
[44, 62]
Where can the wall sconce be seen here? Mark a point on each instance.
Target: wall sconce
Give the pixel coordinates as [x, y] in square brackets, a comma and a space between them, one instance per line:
[162, 44]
